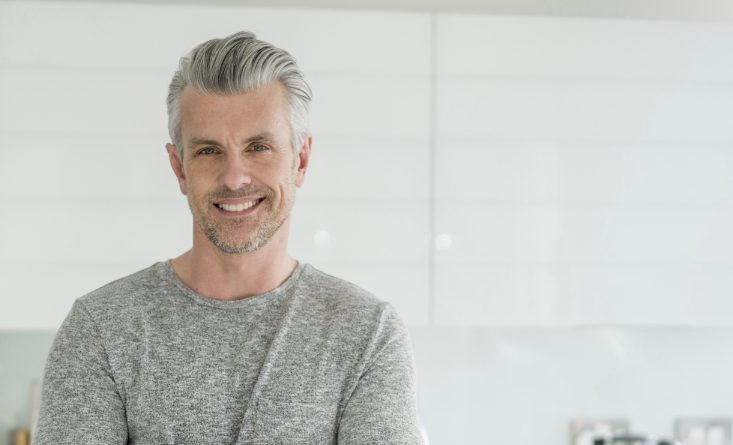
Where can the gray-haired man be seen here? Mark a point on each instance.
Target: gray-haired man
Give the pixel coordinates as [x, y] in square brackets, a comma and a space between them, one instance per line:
[234, 341]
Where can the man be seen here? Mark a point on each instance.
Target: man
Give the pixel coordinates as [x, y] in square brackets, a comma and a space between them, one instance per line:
[234, 341]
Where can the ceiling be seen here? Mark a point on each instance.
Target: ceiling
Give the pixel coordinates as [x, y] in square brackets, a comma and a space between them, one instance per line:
[686, 10]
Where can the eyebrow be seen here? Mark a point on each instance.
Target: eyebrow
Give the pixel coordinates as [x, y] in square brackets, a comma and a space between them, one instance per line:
[258, 137]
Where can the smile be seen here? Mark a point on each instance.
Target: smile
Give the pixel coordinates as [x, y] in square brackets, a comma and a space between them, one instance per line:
[240, 207]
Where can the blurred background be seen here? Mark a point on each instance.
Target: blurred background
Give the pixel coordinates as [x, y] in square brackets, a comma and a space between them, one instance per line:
[543, 189]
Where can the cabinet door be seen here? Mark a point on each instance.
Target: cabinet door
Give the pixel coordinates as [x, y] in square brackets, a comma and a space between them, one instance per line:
[85, 186]
[584, 172]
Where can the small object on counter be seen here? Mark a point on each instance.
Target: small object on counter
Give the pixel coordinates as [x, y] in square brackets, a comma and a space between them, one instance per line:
[585, 431]
[633, 439]
[703, 430]
[21, 436]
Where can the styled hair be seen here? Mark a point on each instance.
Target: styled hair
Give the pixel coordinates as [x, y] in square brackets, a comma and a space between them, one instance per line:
[237, 64]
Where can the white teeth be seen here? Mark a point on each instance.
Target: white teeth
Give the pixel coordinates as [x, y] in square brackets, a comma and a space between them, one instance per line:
[237, 207]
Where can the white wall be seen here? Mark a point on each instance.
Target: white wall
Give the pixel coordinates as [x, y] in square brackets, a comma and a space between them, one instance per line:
[585, 171]
[582, 168]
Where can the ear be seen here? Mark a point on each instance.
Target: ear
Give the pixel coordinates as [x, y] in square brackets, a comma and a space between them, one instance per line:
[303, 159]
[177, 166]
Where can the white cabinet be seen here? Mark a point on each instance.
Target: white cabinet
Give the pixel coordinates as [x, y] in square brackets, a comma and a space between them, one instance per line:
[583, 169]
[584, 172]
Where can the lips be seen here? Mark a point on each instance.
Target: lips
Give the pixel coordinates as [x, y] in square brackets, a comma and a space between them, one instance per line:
[239, 206]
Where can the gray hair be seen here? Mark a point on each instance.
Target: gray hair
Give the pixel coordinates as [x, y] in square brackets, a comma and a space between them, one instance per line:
[236, 64]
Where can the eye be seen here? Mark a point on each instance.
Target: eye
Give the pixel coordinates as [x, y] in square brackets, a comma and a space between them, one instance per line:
[207, 151]
[260, 147]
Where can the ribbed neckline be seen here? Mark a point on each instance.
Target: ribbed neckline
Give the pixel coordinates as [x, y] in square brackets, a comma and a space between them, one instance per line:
[171, 275]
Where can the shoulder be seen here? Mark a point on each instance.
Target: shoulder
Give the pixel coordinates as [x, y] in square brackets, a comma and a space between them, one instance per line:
[131, 291]
[321, 287]
[339, 301]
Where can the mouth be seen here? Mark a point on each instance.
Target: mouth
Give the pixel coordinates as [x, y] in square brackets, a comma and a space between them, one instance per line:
[239, 207]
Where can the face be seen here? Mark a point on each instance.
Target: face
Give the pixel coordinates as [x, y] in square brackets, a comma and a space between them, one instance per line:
[239, 169]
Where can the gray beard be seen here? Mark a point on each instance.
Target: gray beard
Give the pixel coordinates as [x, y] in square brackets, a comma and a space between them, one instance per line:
[261, 237]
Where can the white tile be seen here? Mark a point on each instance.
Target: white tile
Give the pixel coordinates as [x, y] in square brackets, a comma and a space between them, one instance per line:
[92, 229]
[649, 294]
[360, 230]
[616, 234]
[322, 41]
[370, 106]
[709, 290]
[84, 100]
[503, 232]
[484, 293]
[583, 48]
[647, 234]
[549, 110]
[494, 294]
[362, 42]
[78, 165]
[367, 169]
[503, 171]
[571, 172]
[686, 174]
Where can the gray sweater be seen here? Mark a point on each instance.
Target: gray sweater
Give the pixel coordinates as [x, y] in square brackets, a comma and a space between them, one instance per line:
[146, 360]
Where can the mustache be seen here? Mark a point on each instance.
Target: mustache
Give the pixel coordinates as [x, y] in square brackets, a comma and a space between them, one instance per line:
[243, 192]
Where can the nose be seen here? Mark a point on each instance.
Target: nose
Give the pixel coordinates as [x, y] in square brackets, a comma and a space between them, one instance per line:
[235, 172]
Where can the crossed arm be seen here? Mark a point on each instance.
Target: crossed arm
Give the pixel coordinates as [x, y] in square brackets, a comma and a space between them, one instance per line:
[81, 402]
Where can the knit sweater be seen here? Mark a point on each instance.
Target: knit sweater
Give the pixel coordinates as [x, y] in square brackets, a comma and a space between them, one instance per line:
[146, 360]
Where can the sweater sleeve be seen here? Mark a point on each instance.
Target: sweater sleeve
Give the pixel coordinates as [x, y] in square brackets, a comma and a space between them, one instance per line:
[383, 406]
[79, 401]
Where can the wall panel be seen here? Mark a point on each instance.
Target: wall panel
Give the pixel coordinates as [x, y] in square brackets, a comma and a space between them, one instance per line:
[587, 177]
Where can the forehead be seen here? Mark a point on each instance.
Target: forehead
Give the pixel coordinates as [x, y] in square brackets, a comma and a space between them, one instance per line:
[220, 116]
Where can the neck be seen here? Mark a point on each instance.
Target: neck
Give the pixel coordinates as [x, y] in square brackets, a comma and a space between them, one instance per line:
[222, 276]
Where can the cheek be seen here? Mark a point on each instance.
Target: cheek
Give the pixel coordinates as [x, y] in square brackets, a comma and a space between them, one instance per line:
[287, 187]
[195, 191]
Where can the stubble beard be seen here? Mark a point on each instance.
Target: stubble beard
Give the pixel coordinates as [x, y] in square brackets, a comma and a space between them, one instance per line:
[262, 235]
[216, 231]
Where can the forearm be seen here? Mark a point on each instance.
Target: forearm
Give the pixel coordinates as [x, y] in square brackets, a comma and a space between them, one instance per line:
[383, 406]
[79, 400]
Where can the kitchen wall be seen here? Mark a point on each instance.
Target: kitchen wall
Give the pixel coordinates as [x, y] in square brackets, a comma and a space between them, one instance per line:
[546, 201]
